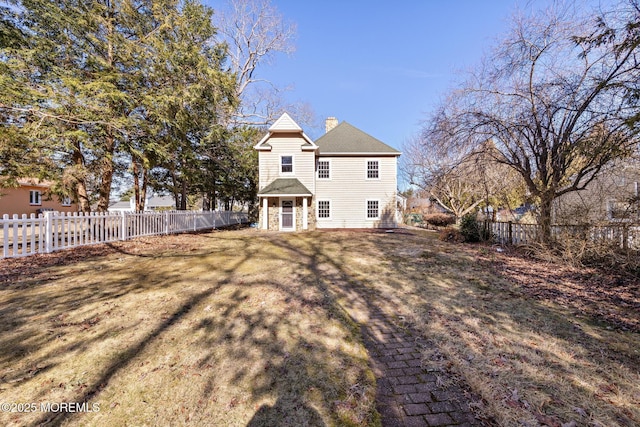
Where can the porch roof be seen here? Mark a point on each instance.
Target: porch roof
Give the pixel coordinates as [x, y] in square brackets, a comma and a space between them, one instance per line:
[283, 187]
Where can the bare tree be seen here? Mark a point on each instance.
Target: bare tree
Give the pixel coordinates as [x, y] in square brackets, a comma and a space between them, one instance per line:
[459, 181]
[553, 101]
[256, 34]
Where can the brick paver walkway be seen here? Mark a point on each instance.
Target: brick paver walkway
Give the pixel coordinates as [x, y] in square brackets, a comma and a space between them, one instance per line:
[408, 393]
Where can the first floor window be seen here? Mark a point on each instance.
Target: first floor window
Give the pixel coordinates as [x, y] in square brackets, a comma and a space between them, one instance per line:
[66, 201]
[34, 197]
[373, 209]
[324, 209]
[286, 164]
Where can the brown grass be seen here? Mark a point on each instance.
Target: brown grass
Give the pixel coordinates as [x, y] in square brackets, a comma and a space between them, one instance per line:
[248, 328]
[535, 359]
[227, 328]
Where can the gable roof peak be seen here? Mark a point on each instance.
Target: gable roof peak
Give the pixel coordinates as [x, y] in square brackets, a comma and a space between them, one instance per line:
[285, 124]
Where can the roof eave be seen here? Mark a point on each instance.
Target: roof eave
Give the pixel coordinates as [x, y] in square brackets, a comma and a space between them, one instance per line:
[286, 195]
[356, 154]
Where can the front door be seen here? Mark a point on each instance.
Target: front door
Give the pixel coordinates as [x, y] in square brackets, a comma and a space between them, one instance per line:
[287, 215]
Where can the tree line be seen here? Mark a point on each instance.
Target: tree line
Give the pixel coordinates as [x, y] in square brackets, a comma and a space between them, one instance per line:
[156, 90]
[551, 106]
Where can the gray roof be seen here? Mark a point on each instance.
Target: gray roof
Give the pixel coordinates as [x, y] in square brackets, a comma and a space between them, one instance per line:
[285, 187]
[347, 139]
[161, 201]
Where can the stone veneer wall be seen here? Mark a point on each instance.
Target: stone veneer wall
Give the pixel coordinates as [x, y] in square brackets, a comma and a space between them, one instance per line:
[312, 213]
[274, 214]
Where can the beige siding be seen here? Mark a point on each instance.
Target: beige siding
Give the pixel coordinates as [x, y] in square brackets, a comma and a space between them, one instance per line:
[287, 145]
[348, 190]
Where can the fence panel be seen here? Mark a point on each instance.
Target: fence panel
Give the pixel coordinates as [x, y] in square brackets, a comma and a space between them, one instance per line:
[624, 236]
[53, 231]
[20, 235]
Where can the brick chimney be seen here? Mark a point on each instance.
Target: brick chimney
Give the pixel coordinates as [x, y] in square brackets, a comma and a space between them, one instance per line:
[330, 123]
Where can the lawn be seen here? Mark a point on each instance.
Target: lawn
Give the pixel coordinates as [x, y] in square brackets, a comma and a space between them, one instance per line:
[245, 328]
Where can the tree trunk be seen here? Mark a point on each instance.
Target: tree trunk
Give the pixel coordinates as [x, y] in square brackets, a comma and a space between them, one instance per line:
[544, 216]
[140, 191]
[81, 186]
[143, 190]
[183, 196]
[107, 170]
[136, 185]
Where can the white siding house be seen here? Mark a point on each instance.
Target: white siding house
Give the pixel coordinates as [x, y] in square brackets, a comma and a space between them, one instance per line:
[345, 179]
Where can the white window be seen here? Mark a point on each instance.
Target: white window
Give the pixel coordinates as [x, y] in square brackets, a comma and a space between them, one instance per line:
[324, 169]
[66, 201]
[286, 164]
[324, 209]
[373, 209]
[35, 198]
[373, 169]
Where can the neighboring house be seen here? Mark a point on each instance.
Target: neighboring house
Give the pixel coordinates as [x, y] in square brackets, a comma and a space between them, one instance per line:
[612, 197]
[153, 203]
[345, 179]
[425, 205]
[32, 197]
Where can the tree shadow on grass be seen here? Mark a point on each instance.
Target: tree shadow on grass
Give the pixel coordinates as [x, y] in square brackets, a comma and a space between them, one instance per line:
[295, 355]
[536, 360]
[280, 414]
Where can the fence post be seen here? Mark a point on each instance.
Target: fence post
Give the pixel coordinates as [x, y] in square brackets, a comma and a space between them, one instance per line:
[510, 233]
[48, 232]
[5, 234]
[166, 223]
[625, 237]
[123, 225]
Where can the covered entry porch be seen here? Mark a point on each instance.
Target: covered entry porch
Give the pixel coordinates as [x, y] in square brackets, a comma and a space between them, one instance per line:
[285, 205]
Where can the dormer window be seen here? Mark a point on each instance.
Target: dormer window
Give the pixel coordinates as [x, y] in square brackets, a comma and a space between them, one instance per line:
[286, 164]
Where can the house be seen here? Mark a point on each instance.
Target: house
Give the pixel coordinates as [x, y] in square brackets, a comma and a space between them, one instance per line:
[345, 179]
[32, 196]
[152, 203]
[611, 197]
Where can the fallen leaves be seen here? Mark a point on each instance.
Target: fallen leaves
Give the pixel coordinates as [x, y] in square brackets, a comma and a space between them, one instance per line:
[607, 296]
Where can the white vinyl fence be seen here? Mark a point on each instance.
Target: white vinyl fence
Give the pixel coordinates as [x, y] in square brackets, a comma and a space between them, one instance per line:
[23, 236]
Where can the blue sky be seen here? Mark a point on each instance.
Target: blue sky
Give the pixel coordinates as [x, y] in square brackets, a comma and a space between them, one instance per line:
[382, 65]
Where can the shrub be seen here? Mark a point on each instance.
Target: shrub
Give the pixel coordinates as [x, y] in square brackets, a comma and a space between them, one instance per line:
[470, 229]
[439, 219]
[451, 234]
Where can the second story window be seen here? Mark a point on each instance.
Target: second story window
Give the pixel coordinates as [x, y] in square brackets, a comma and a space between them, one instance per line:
[66, 201]
[373, 169]
[324, 169]
[286, 164]
[35, 198]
